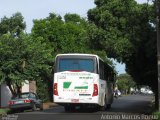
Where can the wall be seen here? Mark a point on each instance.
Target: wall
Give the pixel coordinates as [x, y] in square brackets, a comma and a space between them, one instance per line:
[32, 86]
[5, 95]
[25, 87]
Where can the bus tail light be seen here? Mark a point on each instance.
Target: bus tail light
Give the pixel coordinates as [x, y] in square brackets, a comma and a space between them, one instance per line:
[55, 87]
[95, 90]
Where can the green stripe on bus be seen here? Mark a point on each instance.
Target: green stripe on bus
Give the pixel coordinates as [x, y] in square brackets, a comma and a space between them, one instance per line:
[81, 87]
[66, 84]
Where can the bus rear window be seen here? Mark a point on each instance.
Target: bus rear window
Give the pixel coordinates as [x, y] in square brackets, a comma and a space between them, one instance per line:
[76, 65]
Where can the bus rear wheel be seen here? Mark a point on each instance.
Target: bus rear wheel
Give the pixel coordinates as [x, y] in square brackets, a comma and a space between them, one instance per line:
[108, 106]
[66, 108]
[69, 108]
[103, 108]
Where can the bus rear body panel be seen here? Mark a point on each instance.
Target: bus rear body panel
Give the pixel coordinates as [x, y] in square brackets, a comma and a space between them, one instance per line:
[82, 79]
[76, 87]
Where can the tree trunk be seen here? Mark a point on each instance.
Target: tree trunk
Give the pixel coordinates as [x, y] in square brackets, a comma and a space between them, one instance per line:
[18, 89]
[8, 82]
[14, 91]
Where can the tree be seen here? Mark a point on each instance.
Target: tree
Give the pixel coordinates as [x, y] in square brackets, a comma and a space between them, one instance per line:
[73, 18]
[128, 34]
[73, 35]
[125, 82]
[63, 36]
[13, 25]
[22, 57]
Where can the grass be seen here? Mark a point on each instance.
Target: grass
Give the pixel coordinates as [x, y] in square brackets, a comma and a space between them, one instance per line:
[157, 114]
[4, 111]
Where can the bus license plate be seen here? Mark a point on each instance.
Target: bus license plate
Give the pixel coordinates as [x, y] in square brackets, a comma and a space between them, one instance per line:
[74, 100]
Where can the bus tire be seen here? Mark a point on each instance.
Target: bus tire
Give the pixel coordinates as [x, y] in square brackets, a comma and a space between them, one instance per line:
[72, 107]
[103, 108]
[108, 106]
[67, 108]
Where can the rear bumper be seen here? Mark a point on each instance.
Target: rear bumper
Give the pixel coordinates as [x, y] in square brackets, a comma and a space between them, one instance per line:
[21, 106]
[88, 100]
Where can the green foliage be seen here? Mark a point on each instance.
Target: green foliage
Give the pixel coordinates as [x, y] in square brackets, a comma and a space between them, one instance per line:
[42, 90]
[30, 56]
[22, 57]
[72, 18]
[126, 31]
[125, 82]
[13, 25]
[4, 111]
[63, 37]
[157, 114]
[73, 35]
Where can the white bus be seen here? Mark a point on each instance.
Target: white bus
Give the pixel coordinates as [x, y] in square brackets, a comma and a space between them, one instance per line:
[82, 80]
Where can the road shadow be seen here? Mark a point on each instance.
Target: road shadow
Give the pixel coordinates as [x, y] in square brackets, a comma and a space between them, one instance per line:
[76, 110]
[136, 104]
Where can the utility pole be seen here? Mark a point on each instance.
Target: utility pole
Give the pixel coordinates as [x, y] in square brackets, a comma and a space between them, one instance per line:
[158, 48]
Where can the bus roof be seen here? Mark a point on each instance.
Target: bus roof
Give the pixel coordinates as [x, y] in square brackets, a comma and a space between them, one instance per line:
[79, 54]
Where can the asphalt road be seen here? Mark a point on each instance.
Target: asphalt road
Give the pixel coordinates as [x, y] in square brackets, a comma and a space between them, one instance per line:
[130, 107]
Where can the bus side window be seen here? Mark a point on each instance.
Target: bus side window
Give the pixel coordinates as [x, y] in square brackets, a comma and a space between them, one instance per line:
[101, 70]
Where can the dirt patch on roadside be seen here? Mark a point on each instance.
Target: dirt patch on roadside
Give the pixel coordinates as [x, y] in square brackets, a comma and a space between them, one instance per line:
[48, 105]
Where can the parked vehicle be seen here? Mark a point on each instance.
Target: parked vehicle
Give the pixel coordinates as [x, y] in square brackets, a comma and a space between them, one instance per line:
[117, 93]
[26, 100]
[150, 92]
[146, 91]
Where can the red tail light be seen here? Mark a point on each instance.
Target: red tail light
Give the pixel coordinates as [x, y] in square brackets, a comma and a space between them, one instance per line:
[95, 90]
[27, 101]
[55, 87]
[11, 102]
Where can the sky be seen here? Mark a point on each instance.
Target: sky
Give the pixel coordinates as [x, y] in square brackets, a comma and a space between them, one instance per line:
[39, 9]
